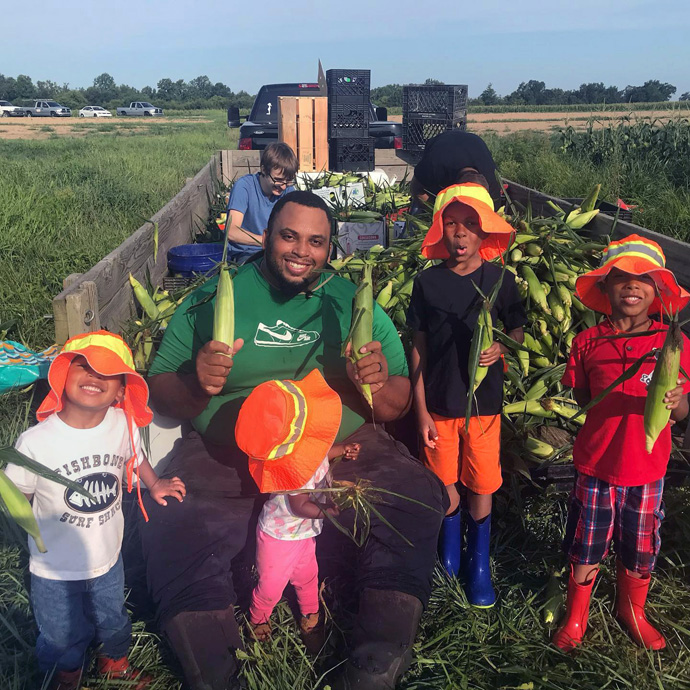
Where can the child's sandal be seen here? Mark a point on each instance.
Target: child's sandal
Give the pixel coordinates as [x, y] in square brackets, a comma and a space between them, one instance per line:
[261, 632]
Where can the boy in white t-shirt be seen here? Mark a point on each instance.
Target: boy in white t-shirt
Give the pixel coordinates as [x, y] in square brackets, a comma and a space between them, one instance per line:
[87, 432]
[288, 429]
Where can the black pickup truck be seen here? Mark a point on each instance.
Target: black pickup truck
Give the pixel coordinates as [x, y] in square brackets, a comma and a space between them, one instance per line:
[261, 127]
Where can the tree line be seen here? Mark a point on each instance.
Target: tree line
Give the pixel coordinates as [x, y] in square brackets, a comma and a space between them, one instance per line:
[195, 94]
[201, 93]
[534, 92]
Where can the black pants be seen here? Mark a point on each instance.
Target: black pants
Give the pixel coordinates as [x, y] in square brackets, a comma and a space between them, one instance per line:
[190, 547]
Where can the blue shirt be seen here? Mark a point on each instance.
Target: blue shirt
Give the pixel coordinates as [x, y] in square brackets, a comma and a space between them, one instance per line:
[247, 197]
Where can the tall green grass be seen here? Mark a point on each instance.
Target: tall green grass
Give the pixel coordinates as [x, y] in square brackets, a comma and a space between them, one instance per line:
[66, 202]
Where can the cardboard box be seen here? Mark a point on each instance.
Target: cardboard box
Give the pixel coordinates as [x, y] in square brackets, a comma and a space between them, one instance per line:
[351, 194]
[353, 236]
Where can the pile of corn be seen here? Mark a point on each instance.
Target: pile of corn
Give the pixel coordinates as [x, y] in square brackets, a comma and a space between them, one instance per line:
[546, 257]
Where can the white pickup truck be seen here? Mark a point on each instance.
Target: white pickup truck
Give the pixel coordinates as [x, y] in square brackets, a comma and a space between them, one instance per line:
[140, 108]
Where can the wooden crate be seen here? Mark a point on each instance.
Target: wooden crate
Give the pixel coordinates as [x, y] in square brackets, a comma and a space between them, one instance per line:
[303, 125]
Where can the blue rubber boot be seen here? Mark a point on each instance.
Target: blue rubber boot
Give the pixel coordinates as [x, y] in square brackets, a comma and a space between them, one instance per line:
[450, 543]
[478, 587]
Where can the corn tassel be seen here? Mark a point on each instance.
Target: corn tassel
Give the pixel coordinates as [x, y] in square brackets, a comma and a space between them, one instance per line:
[361, 331]
[143, 297]
[20, 509]
[664, 379]
[224, 313]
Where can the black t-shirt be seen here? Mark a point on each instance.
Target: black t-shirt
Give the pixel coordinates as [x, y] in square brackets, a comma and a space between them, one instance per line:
[447, 154]
[445, 306]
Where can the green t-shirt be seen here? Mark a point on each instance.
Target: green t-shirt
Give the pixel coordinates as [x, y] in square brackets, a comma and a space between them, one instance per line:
[284, 338]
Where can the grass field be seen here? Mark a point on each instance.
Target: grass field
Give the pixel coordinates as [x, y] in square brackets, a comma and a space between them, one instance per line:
[67, 200]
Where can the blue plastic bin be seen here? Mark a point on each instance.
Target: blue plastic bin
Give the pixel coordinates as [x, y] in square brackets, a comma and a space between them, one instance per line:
[188, 259]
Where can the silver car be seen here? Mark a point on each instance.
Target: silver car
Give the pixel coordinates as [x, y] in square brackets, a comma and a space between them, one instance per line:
[47, 109]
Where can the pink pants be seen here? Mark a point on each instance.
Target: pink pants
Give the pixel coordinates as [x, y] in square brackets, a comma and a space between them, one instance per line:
[279, 562]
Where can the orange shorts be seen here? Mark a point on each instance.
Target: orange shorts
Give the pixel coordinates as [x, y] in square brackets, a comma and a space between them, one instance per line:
[478, 466]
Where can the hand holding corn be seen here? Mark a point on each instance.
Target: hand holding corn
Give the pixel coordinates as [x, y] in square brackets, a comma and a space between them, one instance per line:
[372, 370]
[213, 365]
[675, 399]
[491, 355]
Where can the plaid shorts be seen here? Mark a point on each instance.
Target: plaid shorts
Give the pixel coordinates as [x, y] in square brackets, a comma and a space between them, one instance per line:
[630, 515]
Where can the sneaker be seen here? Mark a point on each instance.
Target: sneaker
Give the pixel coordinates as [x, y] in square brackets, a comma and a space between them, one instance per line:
[119, 669]
[66, 680]
[283, 335]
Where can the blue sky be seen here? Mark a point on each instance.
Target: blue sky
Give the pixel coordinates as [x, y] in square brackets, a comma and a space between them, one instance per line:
[244, 45]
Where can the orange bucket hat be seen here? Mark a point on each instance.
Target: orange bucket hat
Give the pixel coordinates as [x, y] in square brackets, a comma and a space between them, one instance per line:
[287, 428]
[638, 256]
[474, 195]
[109, 355]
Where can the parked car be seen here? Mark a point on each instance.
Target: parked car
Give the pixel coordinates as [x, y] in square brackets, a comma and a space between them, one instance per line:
[94, 111]
[47, 109]
[9, 110]
[261, 127]
[140, 108]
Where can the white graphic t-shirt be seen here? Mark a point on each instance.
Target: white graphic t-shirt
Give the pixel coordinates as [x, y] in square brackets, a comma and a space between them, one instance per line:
[278, 521]
[82, 537]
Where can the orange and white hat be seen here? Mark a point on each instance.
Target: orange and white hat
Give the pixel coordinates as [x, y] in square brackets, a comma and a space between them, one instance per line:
[109, 355]
[638, 256]
[287, 428]
[474, 195]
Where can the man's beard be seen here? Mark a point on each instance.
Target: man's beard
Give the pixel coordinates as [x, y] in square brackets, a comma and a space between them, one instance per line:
[289, 288]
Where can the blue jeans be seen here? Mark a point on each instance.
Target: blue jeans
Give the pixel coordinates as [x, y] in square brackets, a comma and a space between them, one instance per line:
[72, 614]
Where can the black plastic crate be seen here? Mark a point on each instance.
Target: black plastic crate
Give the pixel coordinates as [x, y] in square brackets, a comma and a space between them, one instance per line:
[352, 155]
[418, 130]
[450, 99]
[348, 82]
[339, 99]
[348, 121]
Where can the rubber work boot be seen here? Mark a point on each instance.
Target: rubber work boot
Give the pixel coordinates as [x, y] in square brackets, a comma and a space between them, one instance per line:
[478, 587]
[382, 640]
[313, 632]
[66, 680]
[450, 543]
[573, 627]
[204, 643]
[630, 602]
[119, 669]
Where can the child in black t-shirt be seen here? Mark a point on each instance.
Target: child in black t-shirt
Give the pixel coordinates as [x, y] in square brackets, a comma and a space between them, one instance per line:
[444, 307]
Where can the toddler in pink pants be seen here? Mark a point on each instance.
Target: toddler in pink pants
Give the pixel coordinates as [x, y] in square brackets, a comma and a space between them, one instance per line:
[288, 429]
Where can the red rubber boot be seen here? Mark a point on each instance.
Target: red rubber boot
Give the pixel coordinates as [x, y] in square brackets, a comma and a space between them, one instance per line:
[572, 630]
[119, 669]
[630, 601]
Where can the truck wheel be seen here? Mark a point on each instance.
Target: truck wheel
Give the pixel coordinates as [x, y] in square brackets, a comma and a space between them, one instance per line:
[147, 114]
[29, 113]
[53, 114]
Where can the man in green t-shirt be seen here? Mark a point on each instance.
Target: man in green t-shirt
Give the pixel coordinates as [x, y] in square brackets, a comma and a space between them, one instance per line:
[290, 318]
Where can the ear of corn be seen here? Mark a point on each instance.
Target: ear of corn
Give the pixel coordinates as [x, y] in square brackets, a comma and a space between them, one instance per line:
[20, 509]
[664, 379]
[554, 598]
[361, 330]
[224, 313]
[144, 299]
[589, 202]
[536, 291]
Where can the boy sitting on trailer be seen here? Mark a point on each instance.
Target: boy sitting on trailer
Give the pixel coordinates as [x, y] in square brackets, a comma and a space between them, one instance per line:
[618, 487]
[88, 433]
[444, 308]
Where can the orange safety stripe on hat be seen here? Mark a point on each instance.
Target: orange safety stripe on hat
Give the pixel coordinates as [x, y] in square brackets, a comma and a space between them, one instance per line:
[296, 428]
[286, 428]
[638, 256]
[477, 197]
[109, 355]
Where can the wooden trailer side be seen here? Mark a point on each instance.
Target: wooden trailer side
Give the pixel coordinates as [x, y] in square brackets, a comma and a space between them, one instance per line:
[102, 297]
